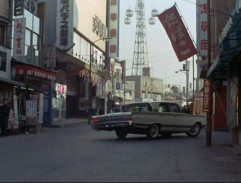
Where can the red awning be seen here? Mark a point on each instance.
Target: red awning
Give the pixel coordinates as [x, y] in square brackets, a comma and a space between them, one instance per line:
[29, 70]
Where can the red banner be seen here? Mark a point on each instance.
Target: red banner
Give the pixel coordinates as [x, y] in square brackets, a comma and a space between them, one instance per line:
[177, 33]
[28, 70]
[207, 94]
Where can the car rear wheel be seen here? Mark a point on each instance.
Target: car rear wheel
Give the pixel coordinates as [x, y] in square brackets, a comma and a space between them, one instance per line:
[195, 130]
[153, 131]
[121, 133]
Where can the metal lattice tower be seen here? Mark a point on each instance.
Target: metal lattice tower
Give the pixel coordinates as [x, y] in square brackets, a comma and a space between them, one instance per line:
[140, 57]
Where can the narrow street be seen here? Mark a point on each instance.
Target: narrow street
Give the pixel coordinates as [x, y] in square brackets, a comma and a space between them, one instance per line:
[77, 153]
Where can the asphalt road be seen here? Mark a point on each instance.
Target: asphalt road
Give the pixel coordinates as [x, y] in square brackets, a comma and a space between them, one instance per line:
[79, 154]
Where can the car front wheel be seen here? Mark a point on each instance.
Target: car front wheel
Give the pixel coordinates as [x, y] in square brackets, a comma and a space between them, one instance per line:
[121, 133]
[195, 130]
[153, 131]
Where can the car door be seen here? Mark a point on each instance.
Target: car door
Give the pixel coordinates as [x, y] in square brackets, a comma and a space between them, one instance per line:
[181, 121]
[165, 117]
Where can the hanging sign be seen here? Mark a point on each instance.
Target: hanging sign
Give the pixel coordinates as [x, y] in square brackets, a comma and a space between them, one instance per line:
[207, 94]
[64, 30]
[18, 7]
[202, 27]
[177, 33]
[19, 37]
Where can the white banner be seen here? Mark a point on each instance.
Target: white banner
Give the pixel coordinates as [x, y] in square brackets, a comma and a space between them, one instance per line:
[19, 37]
[202, 27]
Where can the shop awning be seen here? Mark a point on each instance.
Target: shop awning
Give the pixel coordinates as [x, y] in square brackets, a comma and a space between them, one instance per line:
[12, 82]
[64, 59]
[29, 70]
[225, 64]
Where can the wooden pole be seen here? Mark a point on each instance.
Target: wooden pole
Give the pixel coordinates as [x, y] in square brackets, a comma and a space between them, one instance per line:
[209, 113]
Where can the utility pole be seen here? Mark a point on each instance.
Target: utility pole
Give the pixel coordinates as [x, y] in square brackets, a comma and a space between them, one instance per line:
[193, 81]
[209, 113]
[187, 81]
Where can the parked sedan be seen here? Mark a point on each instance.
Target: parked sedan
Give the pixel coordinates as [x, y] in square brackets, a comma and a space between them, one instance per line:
[150, 118]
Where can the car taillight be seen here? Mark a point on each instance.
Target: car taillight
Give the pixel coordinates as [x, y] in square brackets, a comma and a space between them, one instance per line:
[95, 120]
[128, 118]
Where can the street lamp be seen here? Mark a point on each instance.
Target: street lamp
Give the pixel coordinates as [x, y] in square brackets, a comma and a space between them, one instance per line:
[90, 73]
[186, 69]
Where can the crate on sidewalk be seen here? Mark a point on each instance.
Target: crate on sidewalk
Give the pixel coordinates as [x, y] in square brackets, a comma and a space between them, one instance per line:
[33, 125]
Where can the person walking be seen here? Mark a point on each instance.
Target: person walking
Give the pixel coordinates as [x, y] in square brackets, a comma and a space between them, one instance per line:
[4, 110]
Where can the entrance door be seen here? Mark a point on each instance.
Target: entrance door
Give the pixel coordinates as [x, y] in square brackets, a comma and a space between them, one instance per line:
[72, 105]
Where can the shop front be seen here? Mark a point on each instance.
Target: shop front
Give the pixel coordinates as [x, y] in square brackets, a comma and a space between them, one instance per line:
[7, 90]
[225, 71]
[34, 100]
[59, 101]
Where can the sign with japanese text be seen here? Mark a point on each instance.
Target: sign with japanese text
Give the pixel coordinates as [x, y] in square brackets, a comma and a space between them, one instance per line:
[64, 30]
[28, 70]
[207, 94]
[19, 37]
[177, 33]
[60, 89]
[98, 27]
[202, 27]
[113, 22]
[18, 7]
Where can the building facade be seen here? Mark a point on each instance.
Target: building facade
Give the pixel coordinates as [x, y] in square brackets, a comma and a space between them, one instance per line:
[147, 88]
[77, 33]
[224, 69]
[23, 78]
[6, 83]
[55, 56]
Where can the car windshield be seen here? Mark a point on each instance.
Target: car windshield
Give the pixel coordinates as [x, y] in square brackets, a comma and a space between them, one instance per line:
[136, 108]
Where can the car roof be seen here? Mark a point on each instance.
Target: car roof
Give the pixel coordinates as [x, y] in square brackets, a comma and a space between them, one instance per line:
[151, 102]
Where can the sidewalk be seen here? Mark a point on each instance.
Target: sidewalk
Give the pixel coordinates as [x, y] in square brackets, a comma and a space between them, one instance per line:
[67, 122]
[223, 139]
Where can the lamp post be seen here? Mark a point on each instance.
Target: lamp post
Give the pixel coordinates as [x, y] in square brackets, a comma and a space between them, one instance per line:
[90, 73]
[186, 69]
[124, 81]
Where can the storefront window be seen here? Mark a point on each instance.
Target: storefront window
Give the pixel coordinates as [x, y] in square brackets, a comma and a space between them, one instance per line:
[36, 57]
[35, 41]
[76, 48]
[32, 39]
[29, 19]
[36, 25]
[28, 37]
[2, 34]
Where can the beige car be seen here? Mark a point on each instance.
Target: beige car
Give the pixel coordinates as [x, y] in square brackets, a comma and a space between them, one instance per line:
[150, 118]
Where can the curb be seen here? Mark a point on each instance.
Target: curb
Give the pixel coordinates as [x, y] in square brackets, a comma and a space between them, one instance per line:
[65, 125]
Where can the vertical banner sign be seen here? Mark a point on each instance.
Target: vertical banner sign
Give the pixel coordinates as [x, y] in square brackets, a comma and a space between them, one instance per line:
[113, 26]
[19, 37]
[207, 94]
[64, 30]
[18, 7]
[202, 28]
[177, 33]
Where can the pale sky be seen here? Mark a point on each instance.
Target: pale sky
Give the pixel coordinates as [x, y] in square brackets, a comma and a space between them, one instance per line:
[160, 52]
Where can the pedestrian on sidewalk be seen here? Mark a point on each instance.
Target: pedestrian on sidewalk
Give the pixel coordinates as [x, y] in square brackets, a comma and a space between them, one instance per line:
[4, 111]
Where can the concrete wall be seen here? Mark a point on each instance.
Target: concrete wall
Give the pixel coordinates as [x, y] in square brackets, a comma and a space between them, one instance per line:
[4, 4]
[85, 10]
[50, 21]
